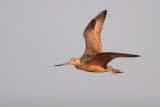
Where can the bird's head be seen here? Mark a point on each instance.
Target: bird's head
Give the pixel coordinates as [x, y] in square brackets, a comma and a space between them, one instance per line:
[73, 61]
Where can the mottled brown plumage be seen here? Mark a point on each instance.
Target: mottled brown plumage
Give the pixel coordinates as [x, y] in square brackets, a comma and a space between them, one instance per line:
[92, 36]
[93, 60]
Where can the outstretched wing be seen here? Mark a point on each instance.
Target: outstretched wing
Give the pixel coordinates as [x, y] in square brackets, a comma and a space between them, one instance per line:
[102, 59]
[92, 36]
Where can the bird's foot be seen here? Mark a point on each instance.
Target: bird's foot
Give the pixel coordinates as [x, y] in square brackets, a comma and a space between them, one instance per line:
[112, 70]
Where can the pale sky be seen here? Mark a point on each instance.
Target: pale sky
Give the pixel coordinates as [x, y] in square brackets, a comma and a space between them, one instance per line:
[37, 34]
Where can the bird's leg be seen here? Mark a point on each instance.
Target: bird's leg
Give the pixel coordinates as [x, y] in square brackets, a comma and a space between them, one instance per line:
[112, 70]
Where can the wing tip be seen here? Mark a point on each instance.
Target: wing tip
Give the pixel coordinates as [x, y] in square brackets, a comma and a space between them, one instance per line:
[136, 55]
[97, 19]
[104, 11]
[101, 16]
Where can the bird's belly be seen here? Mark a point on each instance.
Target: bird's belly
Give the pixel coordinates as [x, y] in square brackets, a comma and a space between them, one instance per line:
[97, 69]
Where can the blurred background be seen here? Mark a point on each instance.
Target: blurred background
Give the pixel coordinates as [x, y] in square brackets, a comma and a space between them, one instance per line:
[37, 34]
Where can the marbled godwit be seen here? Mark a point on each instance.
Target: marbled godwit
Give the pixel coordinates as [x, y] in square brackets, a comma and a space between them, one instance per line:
[93, 60]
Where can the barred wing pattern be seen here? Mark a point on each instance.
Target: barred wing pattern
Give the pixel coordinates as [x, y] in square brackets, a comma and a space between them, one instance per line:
[92, 36]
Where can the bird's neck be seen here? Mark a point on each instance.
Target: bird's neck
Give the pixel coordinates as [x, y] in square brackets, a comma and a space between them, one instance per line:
[78, 66]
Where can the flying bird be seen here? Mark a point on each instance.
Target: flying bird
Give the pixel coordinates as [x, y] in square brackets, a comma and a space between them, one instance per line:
[93, 59]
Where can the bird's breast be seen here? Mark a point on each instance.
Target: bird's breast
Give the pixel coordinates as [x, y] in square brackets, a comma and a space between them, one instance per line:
[91, 68]
[94, 68]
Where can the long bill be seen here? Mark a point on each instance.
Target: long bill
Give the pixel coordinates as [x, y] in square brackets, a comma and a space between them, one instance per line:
[63, 64]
